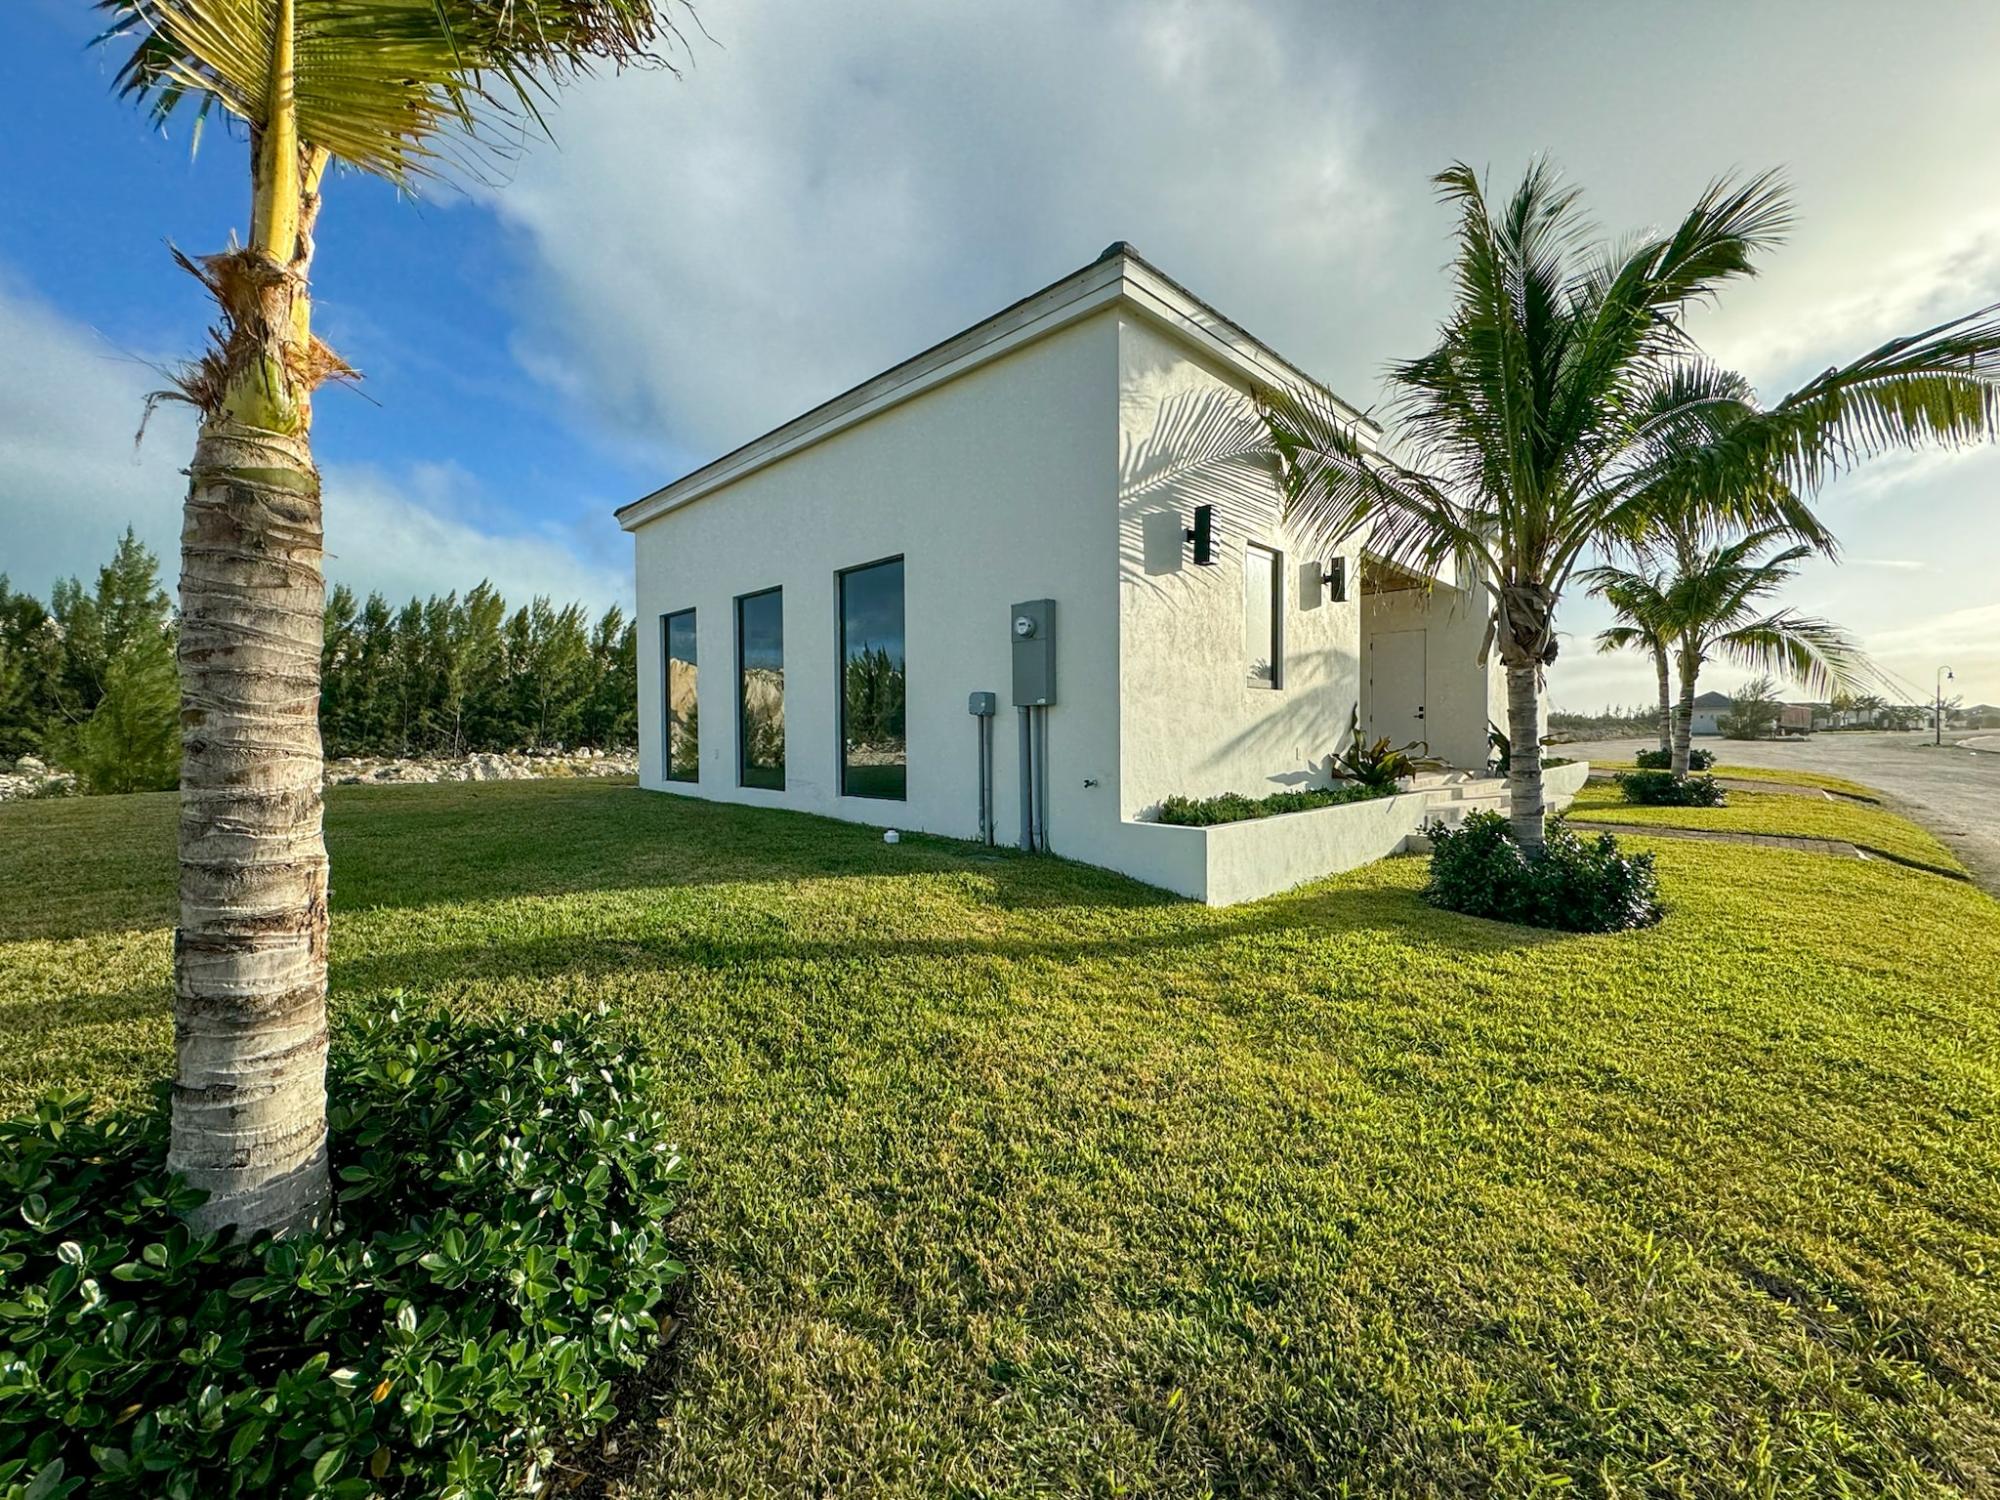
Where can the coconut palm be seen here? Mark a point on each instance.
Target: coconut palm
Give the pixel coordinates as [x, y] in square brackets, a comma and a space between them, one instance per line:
[1716, 604]
[399, 89]
[1566, 401]
[1638, 599]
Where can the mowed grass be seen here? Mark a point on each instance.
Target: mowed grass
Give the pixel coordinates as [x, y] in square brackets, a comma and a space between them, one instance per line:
[1779, 774]
[1011, 1177]
[1792, 816]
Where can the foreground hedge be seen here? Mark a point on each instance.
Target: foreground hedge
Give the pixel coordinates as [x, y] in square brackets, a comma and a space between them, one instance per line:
[497, 1258]
[1574, 884]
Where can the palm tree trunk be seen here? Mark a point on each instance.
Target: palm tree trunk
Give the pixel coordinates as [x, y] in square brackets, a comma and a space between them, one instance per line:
[249, 1102]
[1524, 756]
[1666, 701]
[249, 1116]
[1684, 716]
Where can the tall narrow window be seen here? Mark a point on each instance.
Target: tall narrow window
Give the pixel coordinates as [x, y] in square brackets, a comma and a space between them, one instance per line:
[874, 754]
[683, 737]
[760, 690]
[1263, 623]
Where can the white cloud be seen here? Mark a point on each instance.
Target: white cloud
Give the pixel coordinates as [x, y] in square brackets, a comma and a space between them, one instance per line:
[71, 481]
[1824, 309]
[415, 534]
[841, 187]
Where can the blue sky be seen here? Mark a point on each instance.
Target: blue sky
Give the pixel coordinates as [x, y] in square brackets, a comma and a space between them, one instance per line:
[828, 189]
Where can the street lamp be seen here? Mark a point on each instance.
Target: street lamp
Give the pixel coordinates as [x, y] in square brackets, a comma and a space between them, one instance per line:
[1937, 705]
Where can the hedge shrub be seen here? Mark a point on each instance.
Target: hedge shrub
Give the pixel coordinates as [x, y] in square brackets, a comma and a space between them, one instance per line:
[1663, 760]
[1574, 885]
[497, 1258]
[1234, 807]
[1663, 789]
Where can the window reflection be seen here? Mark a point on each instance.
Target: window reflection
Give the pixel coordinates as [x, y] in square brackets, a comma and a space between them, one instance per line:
[874, 748]
[760, 685]
[683, 707]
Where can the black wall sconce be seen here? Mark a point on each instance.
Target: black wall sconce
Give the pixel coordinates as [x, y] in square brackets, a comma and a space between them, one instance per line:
[1334, 580]
[1202, 534]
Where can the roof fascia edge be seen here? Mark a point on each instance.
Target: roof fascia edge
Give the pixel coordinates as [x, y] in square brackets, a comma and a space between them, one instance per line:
[1123, 279]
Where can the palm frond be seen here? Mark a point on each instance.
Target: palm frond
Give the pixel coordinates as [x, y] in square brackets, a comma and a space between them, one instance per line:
[380, 84]
[1336, 487]
[1815, 653]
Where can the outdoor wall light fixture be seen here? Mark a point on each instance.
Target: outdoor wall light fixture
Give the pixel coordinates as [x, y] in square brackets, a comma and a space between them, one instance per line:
[1334, 580]
[1202, 534]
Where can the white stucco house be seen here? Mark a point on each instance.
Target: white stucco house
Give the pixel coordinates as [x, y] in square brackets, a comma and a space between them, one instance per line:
[1011, 513]
[1709, 711]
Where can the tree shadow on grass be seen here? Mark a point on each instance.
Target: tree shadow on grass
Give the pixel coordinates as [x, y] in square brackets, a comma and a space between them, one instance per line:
[107, 864]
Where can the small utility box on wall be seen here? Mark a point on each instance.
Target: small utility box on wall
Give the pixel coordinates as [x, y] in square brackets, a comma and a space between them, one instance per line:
[1033, 625]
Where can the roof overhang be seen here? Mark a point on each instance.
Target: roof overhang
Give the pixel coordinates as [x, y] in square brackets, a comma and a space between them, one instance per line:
[1118, 278]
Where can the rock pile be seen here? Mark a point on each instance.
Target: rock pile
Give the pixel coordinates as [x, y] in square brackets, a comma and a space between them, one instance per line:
[512, 765]
[30, 777]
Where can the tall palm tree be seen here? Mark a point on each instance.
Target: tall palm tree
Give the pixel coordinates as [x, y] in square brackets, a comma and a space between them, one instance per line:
[1715, 604]
[398, 89]
[1566, 401]
[1639, 600]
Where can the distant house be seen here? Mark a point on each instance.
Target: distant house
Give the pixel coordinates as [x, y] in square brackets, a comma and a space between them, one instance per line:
[1709, 709]
[1014, 525]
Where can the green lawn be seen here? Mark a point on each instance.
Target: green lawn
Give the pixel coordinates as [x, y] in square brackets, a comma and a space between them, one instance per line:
[1780, 774]
[1015, 1178]
[1776, 813]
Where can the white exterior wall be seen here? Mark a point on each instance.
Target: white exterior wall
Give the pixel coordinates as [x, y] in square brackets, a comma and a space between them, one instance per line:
[1460, 695]
[995, 487]
[1193, 723]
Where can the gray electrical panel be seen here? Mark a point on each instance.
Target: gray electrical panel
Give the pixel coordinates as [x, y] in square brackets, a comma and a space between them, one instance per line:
[1033, 626]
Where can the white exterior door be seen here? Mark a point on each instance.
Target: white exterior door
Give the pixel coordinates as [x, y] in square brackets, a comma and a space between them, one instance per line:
[1396, 661]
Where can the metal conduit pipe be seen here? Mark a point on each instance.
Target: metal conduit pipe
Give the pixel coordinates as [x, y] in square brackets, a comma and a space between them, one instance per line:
[1042, 779]
[1027, 758]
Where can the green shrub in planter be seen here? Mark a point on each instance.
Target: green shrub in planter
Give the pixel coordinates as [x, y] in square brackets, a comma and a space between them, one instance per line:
[1574, 885]
[1663, 789]
[1663, 760]
[1234, 807]
[497, 1259]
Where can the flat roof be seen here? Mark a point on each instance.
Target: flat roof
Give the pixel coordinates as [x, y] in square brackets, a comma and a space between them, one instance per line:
[1119, 276]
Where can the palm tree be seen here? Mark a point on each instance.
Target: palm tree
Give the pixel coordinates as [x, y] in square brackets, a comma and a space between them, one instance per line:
[398, 89]
[1566, 402]
[1714, 604]
[1638, 598]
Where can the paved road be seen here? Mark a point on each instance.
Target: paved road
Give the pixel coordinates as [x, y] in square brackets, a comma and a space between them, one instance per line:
[1953, 791]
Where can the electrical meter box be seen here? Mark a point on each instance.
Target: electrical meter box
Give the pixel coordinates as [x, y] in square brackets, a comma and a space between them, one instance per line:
[1033, 626]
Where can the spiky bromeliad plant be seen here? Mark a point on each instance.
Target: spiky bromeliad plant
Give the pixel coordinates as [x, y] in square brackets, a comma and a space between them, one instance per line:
[395, 88]
[1566, 402]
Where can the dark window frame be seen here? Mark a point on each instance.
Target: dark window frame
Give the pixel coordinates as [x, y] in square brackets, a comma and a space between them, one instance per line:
[743, 739]
[667, 660]
[840, 578]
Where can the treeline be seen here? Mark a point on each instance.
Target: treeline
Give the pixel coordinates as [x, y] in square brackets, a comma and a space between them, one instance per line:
[87, 680]
[459, 674]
